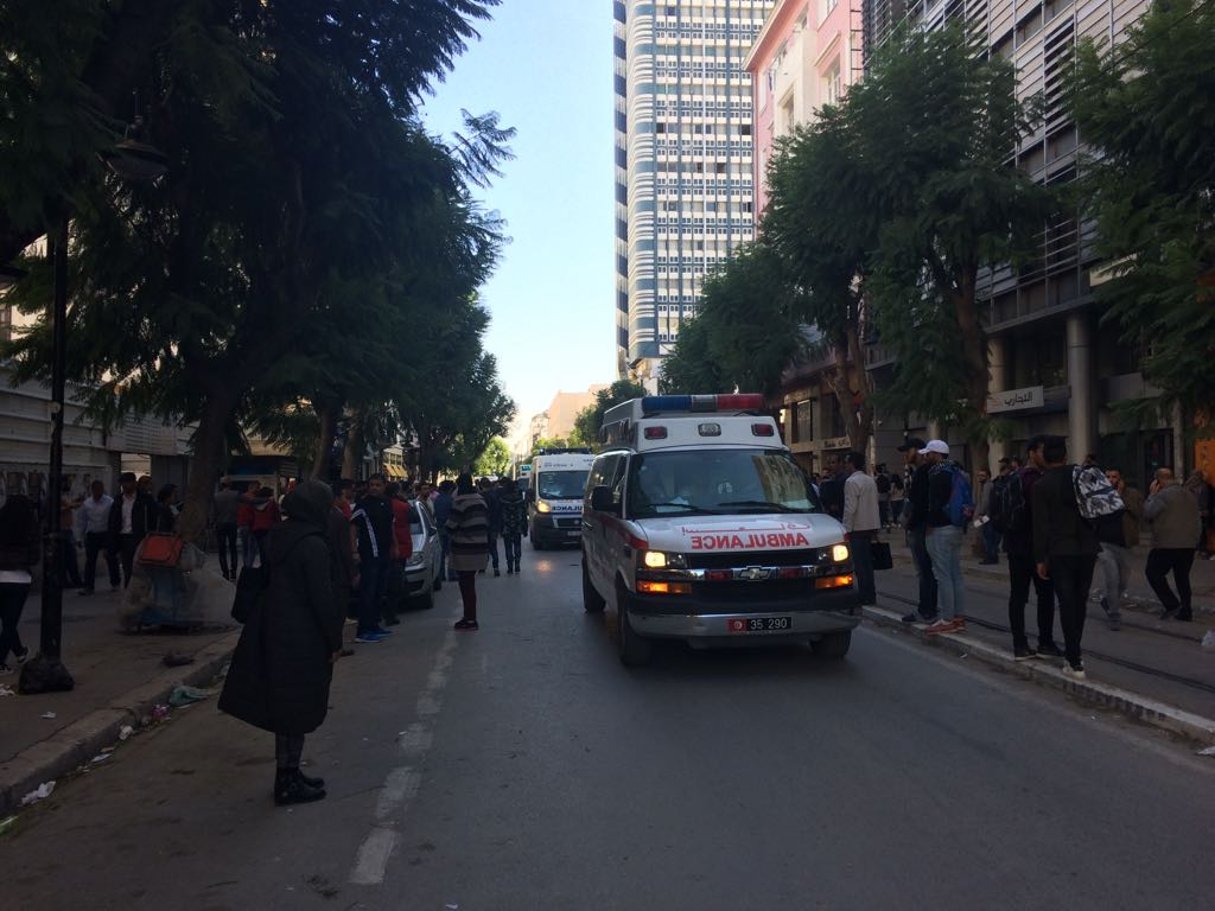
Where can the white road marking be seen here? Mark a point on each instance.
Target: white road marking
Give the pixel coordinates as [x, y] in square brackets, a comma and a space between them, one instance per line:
[402, 784]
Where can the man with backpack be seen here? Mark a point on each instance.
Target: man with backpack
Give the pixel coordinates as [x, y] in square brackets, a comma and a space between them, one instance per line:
[950, 506]
[1067, 502]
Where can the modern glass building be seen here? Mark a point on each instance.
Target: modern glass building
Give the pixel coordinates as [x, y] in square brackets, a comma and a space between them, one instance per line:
[684, 177]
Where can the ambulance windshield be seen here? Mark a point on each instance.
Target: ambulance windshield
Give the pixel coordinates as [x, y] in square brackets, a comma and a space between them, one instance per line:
[561, 485]
[717, 482]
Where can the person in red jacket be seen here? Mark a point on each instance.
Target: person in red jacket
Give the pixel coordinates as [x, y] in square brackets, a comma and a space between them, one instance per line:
[265, 516]
[397, 586]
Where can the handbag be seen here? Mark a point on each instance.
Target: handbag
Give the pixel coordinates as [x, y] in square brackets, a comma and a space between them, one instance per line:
[160, 549]
[882, 558]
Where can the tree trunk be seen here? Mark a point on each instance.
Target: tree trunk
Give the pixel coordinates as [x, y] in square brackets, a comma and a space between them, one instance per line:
[328, 414]
[861, 428]
[356, 446]
[208, 459]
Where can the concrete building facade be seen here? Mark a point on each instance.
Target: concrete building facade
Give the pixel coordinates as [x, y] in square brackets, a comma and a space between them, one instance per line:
[684, 174]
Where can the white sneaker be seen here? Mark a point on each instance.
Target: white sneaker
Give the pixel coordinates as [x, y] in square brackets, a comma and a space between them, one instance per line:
[1074, 673]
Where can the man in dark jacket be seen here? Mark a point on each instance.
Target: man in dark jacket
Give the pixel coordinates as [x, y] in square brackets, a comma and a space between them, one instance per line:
[1019, 545]
[373, 523]
[283, 665]
[1065, 548]
[915, 512]
[132, 516]
[514, 522]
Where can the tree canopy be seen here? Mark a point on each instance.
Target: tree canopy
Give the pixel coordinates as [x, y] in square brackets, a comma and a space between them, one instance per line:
[590, 419]
[1147, 105]
[311, 258]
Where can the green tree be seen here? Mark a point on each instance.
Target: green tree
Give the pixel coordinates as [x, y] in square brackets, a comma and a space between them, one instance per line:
[691, 367]
[191, 294]
[1148, 107]
[494, 461]
[590, 419]
[748, 326]
[931, 129]
[824, 250]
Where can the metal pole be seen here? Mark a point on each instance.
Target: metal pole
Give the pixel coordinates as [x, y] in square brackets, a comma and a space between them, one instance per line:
[46, 672]
[52, 564]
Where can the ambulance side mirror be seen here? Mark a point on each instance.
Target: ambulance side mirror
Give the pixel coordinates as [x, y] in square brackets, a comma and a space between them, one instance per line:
[601, 500]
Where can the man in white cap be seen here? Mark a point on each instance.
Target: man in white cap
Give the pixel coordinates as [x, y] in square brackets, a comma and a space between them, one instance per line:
[950, 507]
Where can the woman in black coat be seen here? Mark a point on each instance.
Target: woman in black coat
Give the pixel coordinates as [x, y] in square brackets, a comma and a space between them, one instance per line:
[280, 674]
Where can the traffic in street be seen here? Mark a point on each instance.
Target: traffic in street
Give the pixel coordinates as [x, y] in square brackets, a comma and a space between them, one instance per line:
[523, 766]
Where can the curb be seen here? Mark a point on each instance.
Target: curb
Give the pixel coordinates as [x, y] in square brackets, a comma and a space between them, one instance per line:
[1157, 714]
[76, 744]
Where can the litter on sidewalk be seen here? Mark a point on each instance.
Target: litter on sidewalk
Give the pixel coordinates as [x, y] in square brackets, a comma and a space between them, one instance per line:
[125, 731]
[6, 690]
[42, 792]
[6, 825]
[187, 695]
[48, 716]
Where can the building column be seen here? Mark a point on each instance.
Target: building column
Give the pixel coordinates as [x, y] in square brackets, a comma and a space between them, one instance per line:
[1081, 406]
[996, 354]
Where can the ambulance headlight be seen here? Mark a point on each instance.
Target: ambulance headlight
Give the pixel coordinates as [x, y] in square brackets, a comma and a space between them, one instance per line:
[541, 506]
[839, 553]
[657, 559]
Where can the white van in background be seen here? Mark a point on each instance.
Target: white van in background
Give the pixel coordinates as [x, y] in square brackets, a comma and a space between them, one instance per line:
[554, 499]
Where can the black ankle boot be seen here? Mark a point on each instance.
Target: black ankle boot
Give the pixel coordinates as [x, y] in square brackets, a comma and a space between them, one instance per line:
[309, 780]
[290, 787]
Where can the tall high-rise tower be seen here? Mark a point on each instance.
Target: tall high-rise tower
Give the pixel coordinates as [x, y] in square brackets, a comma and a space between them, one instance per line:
[684, 179]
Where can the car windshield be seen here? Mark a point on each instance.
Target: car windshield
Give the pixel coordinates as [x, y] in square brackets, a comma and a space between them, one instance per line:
[717, 482]
[561, 485]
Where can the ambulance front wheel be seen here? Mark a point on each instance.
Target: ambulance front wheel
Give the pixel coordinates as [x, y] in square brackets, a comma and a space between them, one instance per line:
[592, 601]
[635, 650]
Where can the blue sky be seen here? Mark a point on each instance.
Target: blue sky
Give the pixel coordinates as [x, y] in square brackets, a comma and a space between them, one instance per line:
[546, 67]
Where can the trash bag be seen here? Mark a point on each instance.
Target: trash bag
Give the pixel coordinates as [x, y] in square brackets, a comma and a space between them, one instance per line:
[185, 596]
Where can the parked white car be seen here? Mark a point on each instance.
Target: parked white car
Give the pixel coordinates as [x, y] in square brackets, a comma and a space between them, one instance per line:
[422, 569]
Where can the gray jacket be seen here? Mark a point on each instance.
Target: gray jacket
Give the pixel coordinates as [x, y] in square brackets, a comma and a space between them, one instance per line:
[1172, 514]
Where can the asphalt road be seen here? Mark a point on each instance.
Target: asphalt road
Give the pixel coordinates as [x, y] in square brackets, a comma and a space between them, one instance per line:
[522, 767]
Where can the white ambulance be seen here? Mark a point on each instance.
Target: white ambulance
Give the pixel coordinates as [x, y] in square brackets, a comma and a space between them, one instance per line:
[554, 497]
[698, 525]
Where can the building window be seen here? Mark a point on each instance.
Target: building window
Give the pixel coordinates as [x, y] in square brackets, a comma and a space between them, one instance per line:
[832, 84]
[803, 422]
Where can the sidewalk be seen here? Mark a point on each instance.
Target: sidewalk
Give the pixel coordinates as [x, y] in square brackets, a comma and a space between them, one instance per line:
[119, 677]
[1148, 659]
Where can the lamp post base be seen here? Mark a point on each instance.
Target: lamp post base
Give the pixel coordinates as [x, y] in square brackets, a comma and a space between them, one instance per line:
[44, 675]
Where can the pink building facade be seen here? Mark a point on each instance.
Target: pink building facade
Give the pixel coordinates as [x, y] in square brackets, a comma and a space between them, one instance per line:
[807, 55]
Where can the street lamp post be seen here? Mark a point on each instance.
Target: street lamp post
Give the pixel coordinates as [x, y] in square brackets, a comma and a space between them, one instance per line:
[134, 161]
[46, 672]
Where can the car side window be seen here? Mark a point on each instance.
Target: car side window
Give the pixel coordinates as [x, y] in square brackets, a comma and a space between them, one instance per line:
[617, 481]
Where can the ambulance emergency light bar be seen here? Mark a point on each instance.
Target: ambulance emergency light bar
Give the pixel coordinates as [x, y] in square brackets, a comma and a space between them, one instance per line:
[657, 404]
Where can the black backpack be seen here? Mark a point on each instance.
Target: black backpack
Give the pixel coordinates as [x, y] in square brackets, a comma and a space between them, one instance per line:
[1009, 511]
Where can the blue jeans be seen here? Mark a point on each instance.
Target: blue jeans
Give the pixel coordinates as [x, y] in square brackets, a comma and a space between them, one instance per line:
[945, 549]
[492, 537]
[373, 582]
